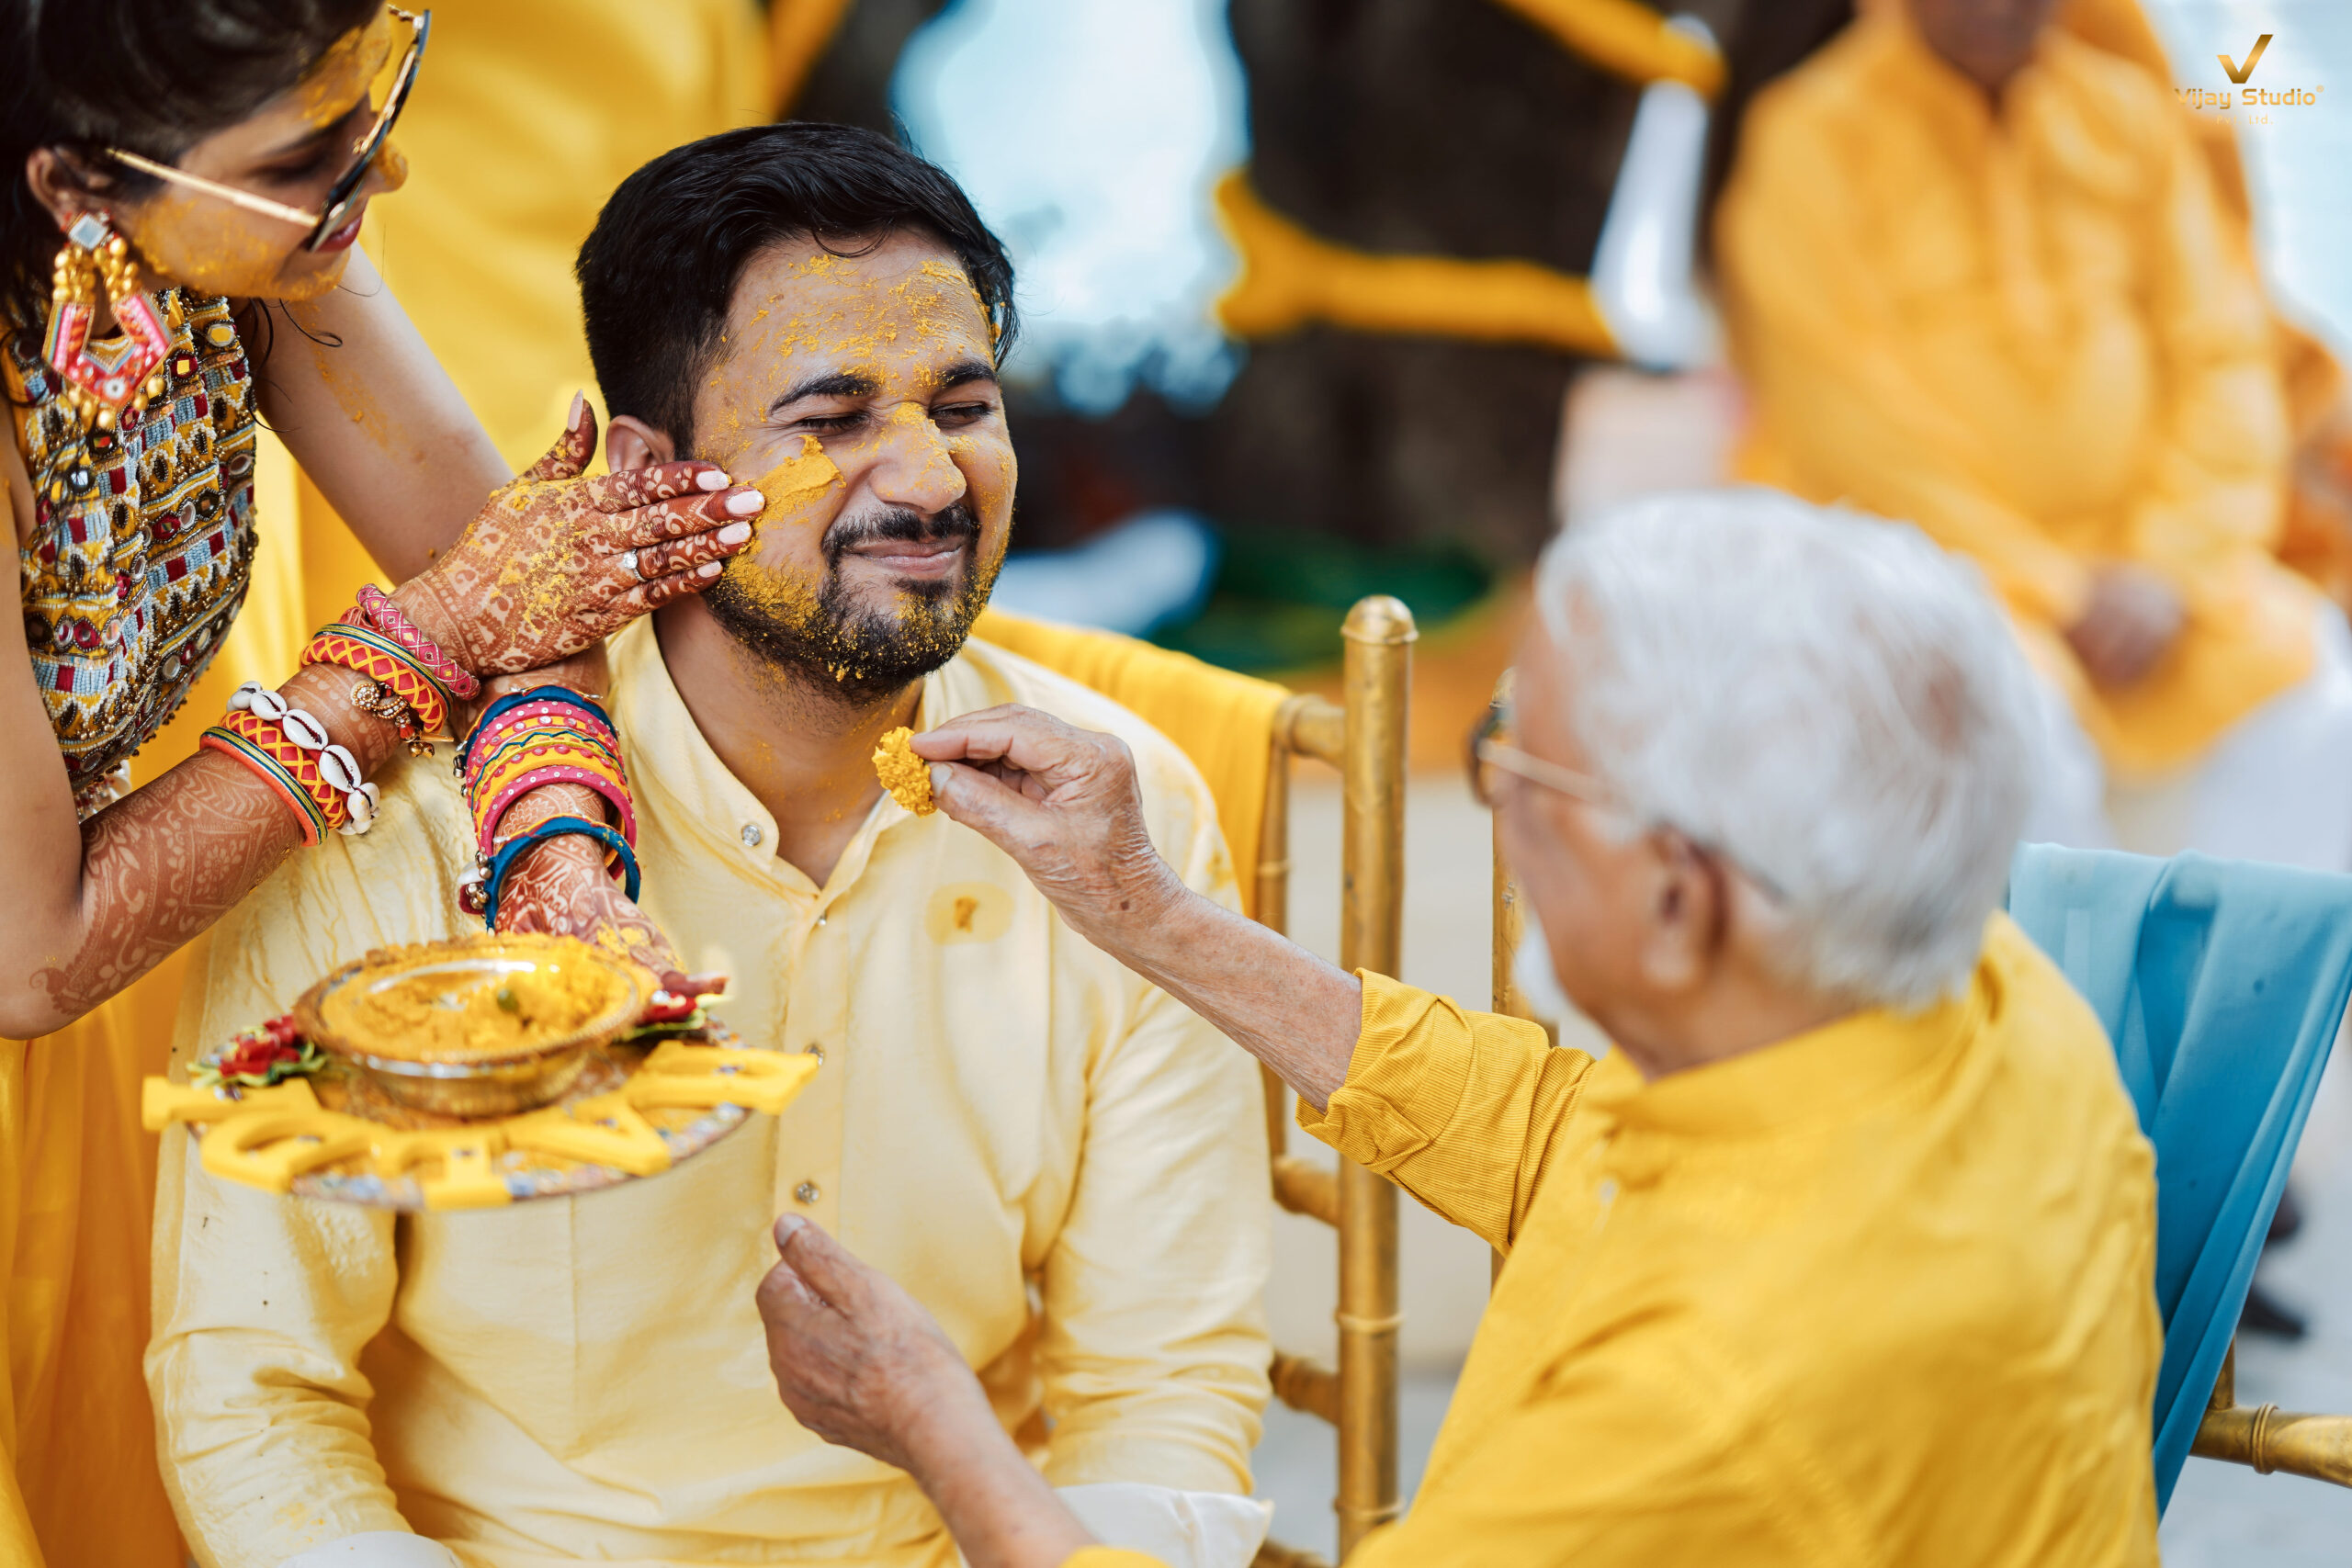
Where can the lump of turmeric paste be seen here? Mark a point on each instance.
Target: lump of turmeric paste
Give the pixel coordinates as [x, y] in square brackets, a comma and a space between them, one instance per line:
[904, 774]
[437, 1015]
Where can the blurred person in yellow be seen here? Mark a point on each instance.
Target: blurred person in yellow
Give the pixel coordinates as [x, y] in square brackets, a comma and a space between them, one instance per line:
[1064, 1163]
[1842, 1255]
[1978, 277]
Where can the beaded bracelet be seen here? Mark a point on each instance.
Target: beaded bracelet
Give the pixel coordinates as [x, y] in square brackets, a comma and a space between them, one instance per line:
[376, 609]
[494, 877]
[325, 772]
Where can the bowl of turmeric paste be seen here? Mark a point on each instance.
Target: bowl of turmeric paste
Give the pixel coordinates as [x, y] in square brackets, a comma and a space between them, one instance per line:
[485, 1027]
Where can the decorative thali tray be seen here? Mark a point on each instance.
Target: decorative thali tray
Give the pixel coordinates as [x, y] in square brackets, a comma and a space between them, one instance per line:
[272, 1112]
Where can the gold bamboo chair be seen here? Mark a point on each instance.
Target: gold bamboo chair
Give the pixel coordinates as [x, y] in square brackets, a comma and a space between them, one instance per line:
[2264, 1438]
[1242, 734]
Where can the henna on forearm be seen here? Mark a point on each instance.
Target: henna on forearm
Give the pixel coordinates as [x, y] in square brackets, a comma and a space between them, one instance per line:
[166, 862]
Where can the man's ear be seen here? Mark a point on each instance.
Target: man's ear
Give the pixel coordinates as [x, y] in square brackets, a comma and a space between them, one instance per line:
[1685, 923]
[630, 442]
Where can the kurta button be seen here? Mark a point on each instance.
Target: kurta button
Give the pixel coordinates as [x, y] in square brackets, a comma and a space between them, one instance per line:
[820, 919]
[752, 834]
[813, 1049]
[807, 1192]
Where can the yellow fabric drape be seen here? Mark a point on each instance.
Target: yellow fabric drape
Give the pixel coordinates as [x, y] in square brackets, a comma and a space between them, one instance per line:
[1628, 39]
[1290, 279]
[527, 116]
[1222, 722]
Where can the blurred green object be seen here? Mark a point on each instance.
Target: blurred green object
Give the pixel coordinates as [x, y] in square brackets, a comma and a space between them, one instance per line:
[1281, 595]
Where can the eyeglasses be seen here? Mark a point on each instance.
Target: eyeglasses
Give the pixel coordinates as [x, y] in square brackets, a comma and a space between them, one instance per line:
[1490, 754]
[342, 195]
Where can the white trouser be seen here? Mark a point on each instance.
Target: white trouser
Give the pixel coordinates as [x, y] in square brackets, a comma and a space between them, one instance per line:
[2277, 785]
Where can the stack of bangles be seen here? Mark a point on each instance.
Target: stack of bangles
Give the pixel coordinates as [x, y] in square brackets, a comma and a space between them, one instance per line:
[406, 680]
[547, 736]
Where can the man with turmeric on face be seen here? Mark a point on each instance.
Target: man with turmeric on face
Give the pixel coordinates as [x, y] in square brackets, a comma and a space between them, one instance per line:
[1061, 1163]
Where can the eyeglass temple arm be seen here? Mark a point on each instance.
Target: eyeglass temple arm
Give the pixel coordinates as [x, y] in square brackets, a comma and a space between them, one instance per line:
[229, 193]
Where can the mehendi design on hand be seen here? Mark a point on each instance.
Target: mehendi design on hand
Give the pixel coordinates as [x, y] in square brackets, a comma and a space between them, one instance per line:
[540, 574]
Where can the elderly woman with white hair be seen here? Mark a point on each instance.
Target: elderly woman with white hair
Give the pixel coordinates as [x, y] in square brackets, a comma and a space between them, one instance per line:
[1842, 1255]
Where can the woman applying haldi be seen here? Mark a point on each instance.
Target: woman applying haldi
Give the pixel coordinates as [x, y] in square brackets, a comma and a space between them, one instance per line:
[187, 178]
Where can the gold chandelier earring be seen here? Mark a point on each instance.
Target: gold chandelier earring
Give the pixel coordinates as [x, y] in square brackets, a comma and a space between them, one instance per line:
[99, 379]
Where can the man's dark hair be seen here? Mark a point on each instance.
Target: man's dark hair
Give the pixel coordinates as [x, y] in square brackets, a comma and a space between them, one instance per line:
[657, 273]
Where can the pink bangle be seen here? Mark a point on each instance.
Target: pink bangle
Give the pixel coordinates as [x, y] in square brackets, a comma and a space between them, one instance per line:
[611, 789]
[514, 718]
[376, 609]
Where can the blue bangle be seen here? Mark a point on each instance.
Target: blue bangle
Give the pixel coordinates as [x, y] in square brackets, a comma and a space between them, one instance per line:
[554, 827]
[516, 700]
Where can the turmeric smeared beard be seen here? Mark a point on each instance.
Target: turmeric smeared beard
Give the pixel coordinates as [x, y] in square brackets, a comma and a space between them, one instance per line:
[839, 637]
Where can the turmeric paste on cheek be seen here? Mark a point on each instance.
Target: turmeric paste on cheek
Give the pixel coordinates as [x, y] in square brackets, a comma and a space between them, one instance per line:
[792, 486]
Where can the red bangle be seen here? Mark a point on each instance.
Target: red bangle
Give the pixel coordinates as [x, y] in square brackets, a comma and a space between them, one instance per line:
[376, 609]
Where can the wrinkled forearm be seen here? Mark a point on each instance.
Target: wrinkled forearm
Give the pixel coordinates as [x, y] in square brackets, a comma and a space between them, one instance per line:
[1265, 993]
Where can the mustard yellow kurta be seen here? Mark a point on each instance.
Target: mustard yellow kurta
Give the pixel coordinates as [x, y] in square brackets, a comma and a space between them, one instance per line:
[2034, 333]
[1881, 1293]
[1000, 1105]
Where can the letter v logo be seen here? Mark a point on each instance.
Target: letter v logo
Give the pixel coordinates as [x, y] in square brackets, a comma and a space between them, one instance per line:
[2238, 73]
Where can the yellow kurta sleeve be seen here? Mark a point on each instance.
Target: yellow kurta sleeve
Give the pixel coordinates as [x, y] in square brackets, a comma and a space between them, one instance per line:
[1458, 1108]
[1111, 1557]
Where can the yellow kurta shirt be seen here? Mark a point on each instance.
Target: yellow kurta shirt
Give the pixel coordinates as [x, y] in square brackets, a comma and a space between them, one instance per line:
[2035, 334]
[1881, 1294]
[1001, 1107]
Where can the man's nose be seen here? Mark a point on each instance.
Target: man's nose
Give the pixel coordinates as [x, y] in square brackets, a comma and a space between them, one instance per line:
[913, 467]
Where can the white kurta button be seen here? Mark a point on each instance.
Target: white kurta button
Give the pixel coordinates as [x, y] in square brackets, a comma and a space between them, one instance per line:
[807, 1192]
[752, 834]
[813, 1049]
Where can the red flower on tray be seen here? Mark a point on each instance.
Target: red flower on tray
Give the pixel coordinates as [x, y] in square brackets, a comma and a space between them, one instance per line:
[260, 1057]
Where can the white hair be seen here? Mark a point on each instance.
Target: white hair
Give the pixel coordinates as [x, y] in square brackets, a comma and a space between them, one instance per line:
[1826, 699]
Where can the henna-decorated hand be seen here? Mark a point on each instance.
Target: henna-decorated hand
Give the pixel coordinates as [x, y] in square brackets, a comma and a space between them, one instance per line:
[562, 888]
[554, 561]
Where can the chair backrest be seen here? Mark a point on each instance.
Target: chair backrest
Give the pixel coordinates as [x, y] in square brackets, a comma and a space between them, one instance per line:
[2222, 985]
[1242, 734]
